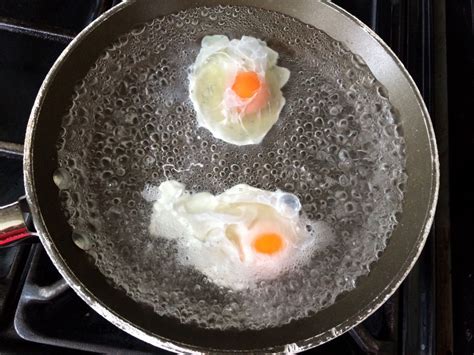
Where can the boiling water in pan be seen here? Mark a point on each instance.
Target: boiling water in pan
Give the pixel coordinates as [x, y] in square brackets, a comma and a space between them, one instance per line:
[337, 146]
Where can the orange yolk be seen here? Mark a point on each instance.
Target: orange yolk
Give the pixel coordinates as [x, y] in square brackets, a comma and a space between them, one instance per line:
[268, 243]
[246, 84]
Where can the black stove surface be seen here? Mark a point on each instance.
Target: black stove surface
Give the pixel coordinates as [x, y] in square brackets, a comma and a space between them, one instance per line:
[460, 42]
[38, 312]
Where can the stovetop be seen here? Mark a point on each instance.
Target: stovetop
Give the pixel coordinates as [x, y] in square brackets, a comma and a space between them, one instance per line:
[38, 311]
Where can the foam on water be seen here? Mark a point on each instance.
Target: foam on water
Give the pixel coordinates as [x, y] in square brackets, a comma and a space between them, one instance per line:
[337, 146]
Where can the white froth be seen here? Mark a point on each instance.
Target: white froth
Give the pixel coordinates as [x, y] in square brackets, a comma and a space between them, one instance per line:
[150, 193]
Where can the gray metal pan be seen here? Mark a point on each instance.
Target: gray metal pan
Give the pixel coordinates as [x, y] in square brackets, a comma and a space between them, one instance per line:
[40, 161]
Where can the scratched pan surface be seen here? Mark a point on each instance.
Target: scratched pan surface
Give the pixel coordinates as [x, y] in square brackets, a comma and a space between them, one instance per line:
[405, 244]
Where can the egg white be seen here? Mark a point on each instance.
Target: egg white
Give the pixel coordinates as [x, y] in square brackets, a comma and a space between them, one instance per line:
[217, 107]
[215, 232]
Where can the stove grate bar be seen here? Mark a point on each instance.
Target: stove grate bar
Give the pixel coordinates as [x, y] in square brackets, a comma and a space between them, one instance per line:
[35, 31]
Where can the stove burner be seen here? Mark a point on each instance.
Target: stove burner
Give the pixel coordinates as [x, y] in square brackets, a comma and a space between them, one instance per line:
[46, 299]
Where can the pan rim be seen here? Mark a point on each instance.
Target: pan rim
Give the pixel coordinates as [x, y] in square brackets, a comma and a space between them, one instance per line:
[167, 344]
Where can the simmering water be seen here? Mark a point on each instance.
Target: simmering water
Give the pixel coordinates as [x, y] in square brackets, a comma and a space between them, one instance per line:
[337, 146]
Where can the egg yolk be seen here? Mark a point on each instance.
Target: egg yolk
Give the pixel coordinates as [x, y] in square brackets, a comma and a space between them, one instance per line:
[246, 84]
[268, 243]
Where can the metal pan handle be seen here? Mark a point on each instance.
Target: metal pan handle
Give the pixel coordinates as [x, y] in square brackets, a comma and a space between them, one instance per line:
[13, 226]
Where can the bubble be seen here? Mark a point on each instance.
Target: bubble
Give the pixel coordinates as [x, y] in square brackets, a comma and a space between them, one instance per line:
[62, 178]
[81, 241]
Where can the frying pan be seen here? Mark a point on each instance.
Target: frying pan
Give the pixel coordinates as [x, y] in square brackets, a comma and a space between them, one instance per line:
[50, 225]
